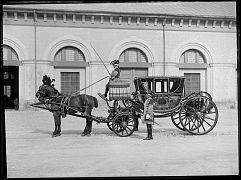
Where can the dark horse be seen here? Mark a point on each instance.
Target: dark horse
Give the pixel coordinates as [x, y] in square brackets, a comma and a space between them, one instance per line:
[61, 105]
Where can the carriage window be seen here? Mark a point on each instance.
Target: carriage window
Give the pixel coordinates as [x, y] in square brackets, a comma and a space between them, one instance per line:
[161, 86]
[175, 85]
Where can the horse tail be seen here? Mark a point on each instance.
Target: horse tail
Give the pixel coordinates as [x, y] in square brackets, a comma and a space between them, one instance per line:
[95, 102]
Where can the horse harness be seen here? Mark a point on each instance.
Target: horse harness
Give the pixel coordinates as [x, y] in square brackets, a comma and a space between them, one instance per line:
[64, 105]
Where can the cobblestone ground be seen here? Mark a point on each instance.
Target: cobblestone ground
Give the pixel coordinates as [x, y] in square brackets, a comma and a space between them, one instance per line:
[32, 152]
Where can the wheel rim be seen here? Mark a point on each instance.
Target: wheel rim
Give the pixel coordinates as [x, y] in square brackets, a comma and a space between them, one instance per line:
[198, 115]
[176, 121]
[123, 124]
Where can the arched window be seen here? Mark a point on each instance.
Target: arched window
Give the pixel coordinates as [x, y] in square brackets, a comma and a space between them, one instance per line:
[133, 55]
[69, 53]
[192, 56]
[9, 53]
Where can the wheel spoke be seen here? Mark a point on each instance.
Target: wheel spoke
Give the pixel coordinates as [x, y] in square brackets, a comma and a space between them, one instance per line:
[130, 125]
[207, 122]
[128, 128]
[185, 122]
[193, 122]
[176, 118]
[209, 118]
[179, 123]
[212, 112]
[203, 127]
[198, 126]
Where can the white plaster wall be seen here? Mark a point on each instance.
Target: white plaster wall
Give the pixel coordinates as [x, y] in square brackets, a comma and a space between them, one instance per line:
[225, 83]
[220, 48]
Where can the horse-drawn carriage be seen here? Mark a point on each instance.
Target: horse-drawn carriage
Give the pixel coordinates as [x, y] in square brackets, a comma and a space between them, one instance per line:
[195, 113]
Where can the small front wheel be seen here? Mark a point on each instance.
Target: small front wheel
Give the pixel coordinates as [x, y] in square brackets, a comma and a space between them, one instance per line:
[109, 124]
[123, 124]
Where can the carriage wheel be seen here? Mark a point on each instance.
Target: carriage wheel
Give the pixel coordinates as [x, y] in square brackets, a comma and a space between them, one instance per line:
[123, 124]
[109, 124]
[176, 121]
[198, 115]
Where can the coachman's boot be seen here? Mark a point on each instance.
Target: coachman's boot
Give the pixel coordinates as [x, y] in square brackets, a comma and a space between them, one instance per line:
[149, 132]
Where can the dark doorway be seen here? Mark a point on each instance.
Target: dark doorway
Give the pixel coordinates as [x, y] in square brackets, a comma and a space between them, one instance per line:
[11, 87]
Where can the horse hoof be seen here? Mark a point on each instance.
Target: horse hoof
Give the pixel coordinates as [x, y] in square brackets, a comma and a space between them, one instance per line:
[55, 135]
[84, 134]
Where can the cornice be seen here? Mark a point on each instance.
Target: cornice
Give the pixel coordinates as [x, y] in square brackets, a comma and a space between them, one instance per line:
[116, 20]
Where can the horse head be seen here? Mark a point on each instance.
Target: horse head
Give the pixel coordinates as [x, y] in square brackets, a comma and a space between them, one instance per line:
[46, 90]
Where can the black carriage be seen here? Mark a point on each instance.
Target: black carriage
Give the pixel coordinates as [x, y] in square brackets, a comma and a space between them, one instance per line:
[195, 113]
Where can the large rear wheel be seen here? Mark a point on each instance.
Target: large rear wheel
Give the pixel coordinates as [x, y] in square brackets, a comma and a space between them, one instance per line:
[176, 121]
[198, 115]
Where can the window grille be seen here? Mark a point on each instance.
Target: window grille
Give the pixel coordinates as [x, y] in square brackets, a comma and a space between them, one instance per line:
[70, 82]
[9, 53]
[69, 53]
[192, 56]
[133, 55]
[192, 82]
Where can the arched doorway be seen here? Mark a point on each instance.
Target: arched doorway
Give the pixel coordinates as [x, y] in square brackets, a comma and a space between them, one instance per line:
[69, 70]
[11, 78]
[193, 65]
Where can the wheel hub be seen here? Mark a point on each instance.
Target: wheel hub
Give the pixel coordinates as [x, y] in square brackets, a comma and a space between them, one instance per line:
[124, 124]
[199, 115]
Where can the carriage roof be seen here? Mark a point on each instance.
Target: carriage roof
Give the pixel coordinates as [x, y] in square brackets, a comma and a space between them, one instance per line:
[159, 77]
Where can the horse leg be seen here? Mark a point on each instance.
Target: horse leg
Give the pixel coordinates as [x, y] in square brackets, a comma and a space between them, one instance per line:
[57, 122]
[88, 126]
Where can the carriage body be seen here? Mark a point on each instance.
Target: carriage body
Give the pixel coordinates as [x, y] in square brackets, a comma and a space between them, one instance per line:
[167, 91]
[195, 113]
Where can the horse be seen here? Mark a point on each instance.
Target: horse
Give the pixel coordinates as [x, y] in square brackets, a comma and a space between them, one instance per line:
[60, 105]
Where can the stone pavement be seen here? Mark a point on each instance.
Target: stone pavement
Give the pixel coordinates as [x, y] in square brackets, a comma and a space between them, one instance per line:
[32, 152]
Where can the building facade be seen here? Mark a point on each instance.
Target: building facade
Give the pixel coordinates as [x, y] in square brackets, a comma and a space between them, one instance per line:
[66, 42]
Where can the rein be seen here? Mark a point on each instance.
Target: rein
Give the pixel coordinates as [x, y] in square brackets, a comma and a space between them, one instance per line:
[89, 86]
